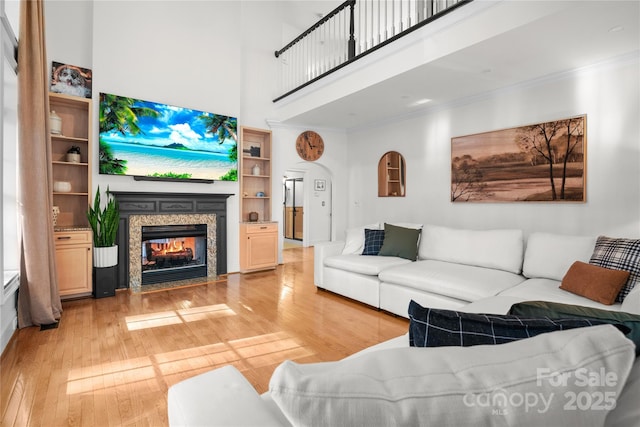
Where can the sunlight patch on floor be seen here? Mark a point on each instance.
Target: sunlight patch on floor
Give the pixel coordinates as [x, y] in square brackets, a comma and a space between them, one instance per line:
[244, 353]
[269, 349]
[154, 320]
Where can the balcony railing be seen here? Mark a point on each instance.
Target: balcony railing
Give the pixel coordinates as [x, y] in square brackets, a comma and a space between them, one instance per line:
[350, 31]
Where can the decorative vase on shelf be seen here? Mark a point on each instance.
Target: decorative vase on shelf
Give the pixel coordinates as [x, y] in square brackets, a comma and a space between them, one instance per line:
[56, 212]
[255, 170]
[55, 123]
[73, 154]
[73, 158]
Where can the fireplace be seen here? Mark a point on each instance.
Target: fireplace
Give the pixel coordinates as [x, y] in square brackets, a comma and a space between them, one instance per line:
[142, 209]
[159, 239]
[173, 252]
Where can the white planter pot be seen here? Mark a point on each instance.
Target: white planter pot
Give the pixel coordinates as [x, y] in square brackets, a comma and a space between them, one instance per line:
[105, 257]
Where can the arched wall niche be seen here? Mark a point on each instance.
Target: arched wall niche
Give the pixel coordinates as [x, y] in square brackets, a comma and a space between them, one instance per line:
[391, 175]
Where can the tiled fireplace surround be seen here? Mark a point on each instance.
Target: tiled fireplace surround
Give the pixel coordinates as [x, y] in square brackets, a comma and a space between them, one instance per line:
[146, 208]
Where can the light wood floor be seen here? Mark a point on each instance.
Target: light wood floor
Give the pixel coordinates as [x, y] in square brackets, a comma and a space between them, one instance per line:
[111, 360]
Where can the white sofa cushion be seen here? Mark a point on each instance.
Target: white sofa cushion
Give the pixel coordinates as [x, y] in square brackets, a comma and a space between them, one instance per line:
[448, 385]
[396, 298]
[221, 397]
[360, 287]
[549, 256]
[627, 410]
[631, 303]
[364, 264]
[492, 305]
[498, 249]
[322, 250]
[549, 290]
[354, 240]
[463, 282]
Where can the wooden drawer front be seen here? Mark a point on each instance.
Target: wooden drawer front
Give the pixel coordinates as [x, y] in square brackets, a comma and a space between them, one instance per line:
[72, 237]
[262, 228]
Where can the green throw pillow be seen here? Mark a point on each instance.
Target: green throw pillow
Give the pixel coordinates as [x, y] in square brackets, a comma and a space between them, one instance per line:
[400, 241]
[556, 310]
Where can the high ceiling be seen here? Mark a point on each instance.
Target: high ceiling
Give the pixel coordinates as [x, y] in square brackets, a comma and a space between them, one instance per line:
[580, 34]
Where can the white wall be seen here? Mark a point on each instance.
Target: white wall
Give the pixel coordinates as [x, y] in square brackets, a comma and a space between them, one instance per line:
[332, 166]
[68, 28]
[178, 53]
[218, 56]
[213, 56]
[606, 93]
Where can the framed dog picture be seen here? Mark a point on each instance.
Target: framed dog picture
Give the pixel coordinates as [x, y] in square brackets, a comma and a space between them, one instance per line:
[70, 80]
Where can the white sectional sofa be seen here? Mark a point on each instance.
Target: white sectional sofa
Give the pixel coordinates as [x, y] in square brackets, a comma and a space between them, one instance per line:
[456, 267]
[392, 384]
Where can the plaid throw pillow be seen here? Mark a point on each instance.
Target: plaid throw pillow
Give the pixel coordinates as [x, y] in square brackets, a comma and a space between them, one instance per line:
[619, 254]
[372, 241]
[429, 327]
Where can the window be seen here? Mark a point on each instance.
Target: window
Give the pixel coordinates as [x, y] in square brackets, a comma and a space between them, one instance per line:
[9, 228]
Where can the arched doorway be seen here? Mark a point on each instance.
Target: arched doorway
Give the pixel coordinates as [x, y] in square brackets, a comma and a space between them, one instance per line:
[307, 190]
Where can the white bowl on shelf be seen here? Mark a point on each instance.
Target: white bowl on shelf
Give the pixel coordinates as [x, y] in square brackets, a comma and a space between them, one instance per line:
[61, 186]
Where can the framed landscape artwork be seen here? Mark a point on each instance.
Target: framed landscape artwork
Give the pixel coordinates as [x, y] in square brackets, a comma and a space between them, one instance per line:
[544, 162]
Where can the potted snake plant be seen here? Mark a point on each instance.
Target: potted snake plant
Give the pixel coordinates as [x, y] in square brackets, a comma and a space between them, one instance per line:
[104, 223]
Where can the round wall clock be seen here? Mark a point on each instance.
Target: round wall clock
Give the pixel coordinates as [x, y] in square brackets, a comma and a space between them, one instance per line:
[309, 145]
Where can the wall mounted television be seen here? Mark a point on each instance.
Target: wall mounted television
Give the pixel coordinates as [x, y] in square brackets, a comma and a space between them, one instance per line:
[154, 141]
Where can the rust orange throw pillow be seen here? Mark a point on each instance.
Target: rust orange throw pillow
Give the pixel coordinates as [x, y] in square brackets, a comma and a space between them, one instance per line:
[596, 283]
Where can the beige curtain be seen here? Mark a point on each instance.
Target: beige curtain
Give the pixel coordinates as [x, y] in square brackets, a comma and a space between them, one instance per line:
[38, 298]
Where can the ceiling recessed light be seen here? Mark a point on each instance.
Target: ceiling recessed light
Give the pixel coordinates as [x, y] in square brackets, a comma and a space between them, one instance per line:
[616, 29]
[420, 102]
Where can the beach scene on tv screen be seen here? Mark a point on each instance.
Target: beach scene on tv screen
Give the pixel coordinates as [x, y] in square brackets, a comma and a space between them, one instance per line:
[144, 138]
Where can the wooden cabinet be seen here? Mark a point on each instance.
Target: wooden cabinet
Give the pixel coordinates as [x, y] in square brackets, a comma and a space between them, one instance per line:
[73, 262]
[72, 193]
[258, 246]
[258, 234]
[391, 175]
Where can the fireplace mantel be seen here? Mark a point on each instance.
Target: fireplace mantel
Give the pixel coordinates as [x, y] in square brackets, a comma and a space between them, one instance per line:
[149, 203]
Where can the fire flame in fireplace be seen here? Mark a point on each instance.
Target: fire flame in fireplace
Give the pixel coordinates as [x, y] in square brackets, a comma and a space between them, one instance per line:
[169, 252]
[169, 248]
